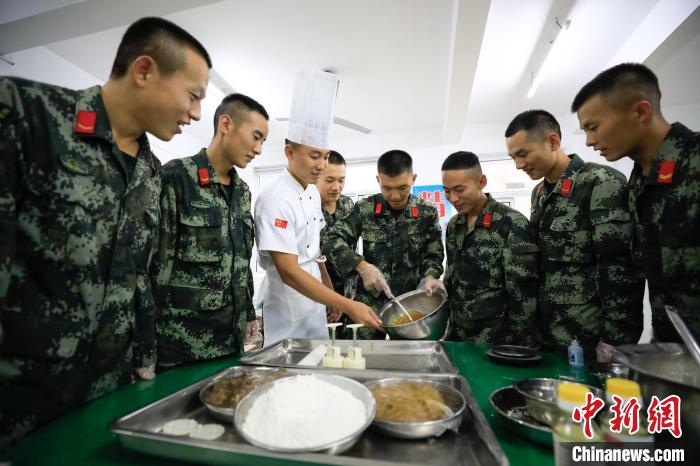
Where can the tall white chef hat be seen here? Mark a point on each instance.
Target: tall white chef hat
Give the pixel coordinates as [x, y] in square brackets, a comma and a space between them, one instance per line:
[313, 104]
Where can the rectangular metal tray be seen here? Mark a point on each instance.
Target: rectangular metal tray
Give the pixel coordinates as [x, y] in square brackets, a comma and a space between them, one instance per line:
[474, 444]
[381, 355]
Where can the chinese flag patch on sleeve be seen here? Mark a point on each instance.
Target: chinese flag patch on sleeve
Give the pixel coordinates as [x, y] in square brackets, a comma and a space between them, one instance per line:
[279, 223]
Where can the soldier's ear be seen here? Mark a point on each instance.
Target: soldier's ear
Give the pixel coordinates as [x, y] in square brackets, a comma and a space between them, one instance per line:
[482, 181]
[143, 69]
[554, 141]
[644, 111]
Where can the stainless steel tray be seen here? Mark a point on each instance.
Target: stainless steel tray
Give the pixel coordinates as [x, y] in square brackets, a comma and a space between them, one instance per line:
[427, 357]
[473, 444]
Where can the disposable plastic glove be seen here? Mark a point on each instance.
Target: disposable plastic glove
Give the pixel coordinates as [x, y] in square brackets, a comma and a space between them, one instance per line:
[604, 352]
[374, 281]
[432, 285]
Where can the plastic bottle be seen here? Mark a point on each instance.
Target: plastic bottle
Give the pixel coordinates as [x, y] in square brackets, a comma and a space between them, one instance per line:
[566, 433]
[627, 390]
[575, 354]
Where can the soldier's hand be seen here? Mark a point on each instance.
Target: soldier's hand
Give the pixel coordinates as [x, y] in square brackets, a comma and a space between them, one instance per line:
[432, 285]
[147, 372]
[251, 331]
[373, 280]
[604, 352]
[363, 314]
[333, 314]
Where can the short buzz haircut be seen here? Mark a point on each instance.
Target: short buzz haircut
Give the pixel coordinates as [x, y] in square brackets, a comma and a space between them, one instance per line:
[238, 106]
[295, 145]
[627, 82]
[159, 39]
[539, 123]
[394, 163]
[334, 158]
[462, 160]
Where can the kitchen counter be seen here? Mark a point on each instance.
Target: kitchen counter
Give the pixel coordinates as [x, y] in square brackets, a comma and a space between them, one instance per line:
[82, 437]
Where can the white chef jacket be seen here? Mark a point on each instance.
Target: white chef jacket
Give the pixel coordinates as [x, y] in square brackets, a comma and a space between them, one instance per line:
[289, 219]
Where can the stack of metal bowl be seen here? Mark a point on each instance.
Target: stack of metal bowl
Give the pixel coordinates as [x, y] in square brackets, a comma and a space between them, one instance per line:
[541, 397]
[429, 327]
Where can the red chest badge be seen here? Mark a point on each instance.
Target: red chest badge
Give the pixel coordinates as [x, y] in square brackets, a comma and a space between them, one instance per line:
[566, 187]
[414, 211]
[85, 122]
[488, 218]
[279, 223]
[203, 177]
[377, 209]
[666, 169]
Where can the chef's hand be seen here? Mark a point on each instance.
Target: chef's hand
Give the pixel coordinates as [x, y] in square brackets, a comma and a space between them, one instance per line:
[333, 314]
[147, 372]
[432, 285]
[373, 279]
[604, 352]
[251, 331]
[363, 314]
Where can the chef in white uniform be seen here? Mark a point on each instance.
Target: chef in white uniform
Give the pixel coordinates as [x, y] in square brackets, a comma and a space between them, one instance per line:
[289, 219]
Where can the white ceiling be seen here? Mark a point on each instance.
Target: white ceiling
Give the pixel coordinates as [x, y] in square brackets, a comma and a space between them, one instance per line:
[435, 67]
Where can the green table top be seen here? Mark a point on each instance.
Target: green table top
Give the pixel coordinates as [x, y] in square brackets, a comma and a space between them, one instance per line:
[82, 437]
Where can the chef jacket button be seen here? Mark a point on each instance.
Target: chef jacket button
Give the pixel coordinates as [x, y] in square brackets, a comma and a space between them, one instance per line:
[307, 245]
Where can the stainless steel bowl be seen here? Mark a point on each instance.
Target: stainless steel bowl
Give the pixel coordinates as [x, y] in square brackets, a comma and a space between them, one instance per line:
[606, 370]
[360, 392]
[541, 397]
[227, 413]
[512, 407]
[416, 430]
[430, 327]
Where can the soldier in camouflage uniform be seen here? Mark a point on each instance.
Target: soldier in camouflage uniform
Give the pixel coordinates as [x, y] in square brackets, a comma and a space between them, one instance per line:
[401, 239]
[78, 208]
[620, 112]
[335, 206]
[202, 278]
[589, 288]
[491, 276]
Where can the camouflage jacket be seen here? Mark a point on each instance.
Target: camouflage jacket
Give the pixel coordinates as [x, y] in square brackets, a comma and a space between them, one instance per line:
[78, 231]
[405, 249]
[665, 209]
[491, 277]
[343, 208]
[201, 273]
[589, 287]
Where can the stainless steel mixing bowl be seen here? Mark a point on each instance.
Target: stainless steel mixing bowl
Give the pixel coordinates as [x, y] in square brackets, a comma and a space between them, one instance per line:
[358, 390]
[430, 327]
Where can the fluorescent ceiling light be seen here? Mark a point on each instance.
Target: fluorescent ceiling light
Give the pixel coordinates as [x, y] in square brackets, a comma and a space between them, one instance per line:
[553, 56]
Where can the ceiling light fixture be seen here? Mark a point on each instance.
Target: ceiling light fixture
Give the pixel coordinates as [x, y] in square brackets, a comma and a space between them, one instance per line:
[555, 47]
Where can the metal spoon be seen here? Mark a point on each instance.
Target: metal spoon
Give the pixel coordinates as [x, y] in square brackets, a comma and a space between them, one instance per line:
[396, 302]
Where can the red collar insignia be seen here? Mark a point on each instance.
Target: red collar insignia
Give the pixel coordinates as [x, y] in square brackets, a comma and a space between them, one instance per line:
[203, 176]
[85, 122]
[566, 187]
[414, 211]
[378, 208]
[488, 218]
[666, 169]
